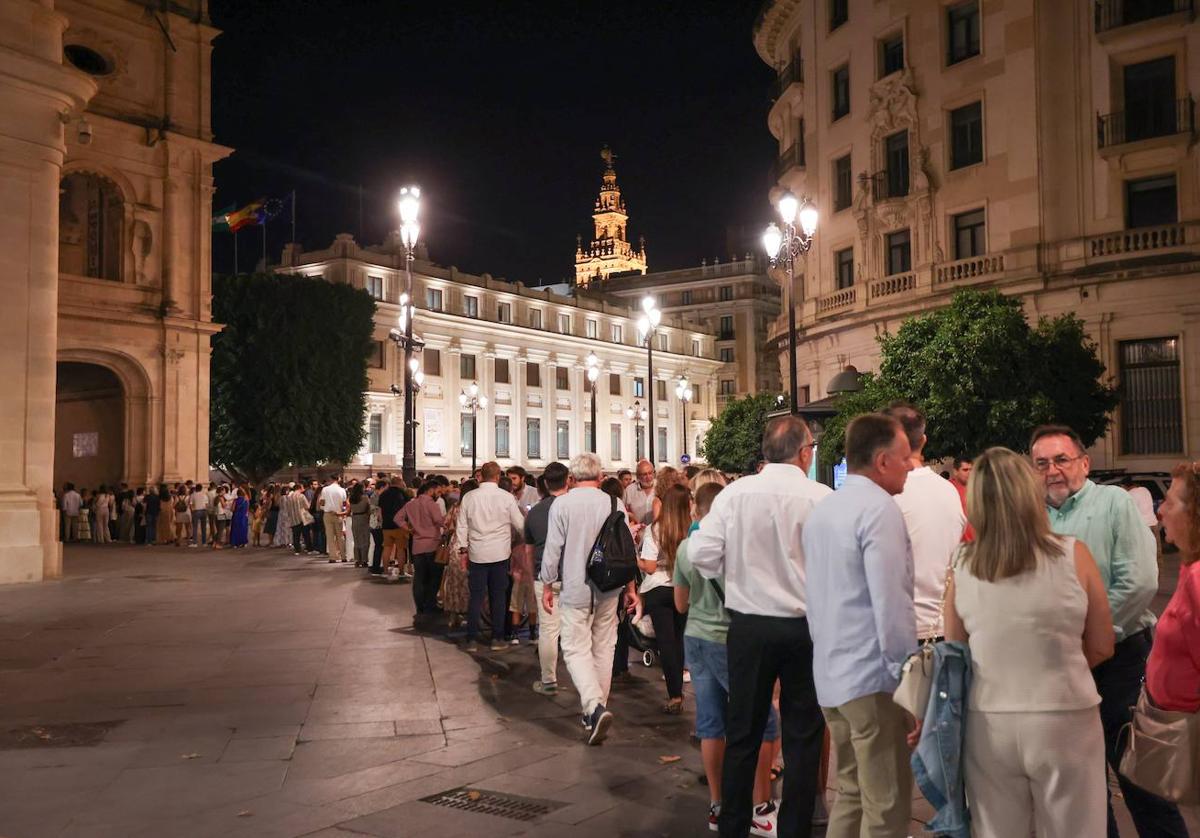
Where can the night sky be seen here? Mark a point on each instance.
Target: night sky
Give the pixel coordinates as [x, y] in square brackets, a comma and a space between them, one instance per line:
[498, 111]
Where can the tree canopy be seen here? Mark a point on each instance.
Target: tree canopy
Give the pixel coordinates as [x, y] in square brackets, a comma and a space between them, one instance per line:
[289, 372]
[734, 439]
[984, 376]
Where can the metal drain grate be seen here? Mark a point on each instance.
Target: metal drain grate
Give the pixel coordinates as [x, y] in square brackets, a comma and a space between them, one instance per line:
[494, 803]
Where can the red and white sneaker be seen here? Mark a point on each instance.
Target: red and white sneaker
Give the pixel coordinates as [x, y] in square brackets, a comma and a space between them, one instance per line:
[764, 820]
[714, 812]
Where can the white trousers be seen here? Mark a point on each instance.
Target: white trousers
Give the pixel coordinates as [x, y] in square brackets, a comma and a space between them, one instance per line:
[1036, 772]
[548, 628]
[589, 639]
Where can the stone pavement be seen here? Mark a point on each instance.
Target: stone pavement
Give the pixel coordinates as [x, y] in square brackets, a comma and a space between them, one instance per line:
[162, 692]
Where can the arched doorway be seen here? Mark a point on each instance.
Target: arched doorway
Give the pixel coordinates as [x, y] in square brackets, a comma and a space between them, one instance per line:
[89, 430]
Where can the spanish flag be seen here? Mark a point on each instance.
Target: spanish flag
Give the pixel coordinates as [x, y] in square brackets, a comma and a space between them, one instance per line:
[247, 216]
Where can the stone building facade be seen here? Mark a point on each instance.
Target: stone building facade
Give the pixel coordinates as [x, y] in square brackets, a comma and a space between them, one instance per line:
[526, 350]
[1044, 149]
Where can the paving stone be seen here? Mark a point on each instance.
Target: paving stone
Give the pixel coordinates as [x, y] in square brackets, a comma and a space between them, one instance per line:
[311, 732]
[253, 750]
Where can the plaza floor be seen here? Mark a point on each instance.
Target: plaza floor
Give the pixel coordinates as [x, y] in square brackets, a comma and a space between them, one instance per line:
[163, 692]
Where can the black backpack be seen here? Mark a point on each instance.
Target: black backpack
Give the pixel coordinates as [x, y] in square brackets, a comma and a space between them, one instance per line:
[612, 562]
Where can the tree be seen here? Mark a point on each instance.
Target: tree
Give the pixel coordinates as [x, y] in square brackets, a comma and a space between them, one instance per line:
[289, 372]
[734, 439]
[984, 376]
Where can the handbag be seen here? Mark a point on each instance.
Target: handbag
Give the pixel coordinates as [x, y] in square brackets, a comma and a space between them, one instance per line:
[1163, 752]
[444, 549]
[306, 517]
[916, 674]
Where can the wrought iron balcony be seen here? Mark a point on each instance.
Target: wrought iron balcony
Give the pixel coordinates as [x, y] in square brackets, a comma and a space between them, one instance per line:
[793, 158]
[1112, 14]
[888, 184]
[793, 73]
[1146, 120]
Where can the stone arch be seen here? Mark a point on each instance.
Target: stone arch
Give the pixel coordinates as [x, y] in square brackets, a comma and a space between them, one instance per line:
[136, 396]
[95, 223]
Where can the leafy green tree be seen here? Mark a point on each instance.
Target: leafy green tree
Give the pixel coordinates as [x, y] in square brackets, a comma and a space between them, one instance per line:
[734, 439]
[984, 376]
[289, 372]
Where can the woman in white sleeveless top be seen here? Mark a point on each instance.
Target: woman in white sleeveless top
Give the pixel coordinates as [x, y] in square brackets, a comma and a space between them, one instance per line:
[1033, 609]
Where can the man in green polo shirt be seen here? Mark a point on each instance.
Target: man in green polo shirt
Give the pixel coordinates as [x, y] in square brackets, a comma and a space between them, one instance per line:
[1107, 520]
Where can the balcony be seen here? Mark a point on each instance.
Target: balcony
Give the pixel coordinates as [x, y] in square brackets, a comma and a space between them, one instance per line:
[891, 285]
[1113, 14]
[964, 270]
[793, 73]
[1145, 121]
[836, 302]
[793, 158]
[890, 184]
[1137, 241]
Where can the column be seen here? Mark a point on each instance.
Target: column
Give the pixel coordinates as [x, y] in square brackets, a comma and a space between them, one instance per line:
[35, 91]
[452, 432]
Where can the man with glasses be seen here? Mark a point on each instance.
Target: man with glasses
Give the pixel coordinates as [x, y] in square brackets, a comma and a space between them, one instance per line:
[640, 497]
[1107, 520]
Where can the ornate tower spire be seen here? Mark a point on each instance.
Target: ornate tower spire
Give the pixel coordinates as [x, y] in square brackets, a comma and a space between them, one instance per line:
[610, 251]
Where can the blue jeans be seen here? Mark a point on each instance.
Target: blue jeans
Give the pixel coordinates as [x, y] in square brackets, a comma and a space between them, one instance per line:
[200, 526]
[708, 661]
[491, 581]
[151, 529]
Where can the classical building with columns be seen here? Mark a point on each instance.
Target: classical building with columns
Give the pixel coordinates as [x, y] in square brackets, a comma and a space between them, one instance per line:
[106, 194]
[526, 350]
[1044, 149]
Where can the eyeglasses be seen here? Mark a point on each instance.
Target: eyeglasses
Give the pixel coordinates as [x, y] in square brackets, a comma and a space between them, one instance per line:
[1060, 462]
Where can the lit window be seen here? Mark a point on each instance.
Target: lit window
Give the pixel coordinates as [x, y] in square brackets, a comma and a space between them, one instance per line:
[375, 287]
[433, 299]
[592, 328]
[504, 312]
[471, 306]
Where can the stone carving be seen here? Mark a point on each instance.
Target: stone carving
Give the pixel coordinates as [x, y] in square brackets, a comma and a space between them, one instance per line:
[141, 242]
[892, 104]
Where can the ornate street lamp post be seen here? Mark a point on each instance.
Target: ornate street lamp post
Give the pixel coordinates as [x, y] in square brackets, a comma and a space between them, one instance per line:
[638, 414]
[410, 207]
[418, 377]
[471, 399]
[647, 326]
[593, 375]
[784, 246]
[683, 391]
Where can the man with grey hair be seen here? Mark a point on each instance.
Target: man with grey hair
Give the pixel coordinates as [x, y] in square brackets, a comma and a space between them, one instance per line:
[587, 616]
[752, 536]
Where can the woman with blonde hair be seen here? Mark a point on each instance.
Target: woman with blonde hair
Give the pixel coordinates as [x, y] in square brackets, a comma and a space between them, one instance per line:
[708, 475]
[660, 540]
[1034, 612]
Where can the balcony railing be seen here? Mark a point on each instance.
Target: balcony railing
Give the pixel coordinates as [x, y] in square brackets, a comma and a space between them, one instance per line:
[1145, 120]
[969, 268]
[793, 158]
[726, 334]
[1111, 14]
[836, 301]
[888, 184]
[793, 73]
[1137, 240]
[889, 285]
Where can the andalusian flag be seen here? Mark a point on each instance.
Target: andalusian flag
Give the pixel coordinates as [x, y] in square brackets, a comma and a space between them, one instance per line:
[220, 221]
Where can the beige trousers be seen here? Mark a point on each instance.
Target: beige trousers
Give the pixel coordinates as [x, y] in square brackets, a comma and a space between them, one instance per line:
[548, 633]
[874, 781]
[589, 639]
[335, 536]
[1036, 772]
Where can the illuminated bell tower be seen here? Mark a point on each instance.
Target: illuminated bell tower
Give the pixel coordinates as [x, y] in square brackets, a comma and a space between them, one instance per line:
[610, 251]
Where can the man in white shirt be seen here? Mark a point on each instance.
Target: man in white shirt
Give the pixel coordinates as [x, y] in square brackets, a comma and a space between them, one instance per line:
[639, 497]
[524, 494]
[198, 504]
[72, 502]
[933, 516]
[332, 503]
[752, 536]
[484, 534]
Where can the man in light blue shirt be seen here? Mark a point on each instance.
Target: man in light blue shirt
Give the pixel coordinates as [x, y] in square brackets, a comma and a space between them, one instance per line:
[860, 611]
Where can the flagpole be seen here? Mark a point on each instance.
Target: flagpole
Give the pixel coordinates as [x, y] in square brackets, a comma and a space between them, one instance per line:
[264, 249]
[235, 259]
[293, 215]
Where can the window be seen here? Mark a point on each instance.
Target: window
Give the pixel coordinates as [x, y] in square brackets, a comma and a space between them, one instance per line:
[535, 318]
[431, 361]
[663, 341]
[891, 55]
[841, 92]
[962, 26]
[614, 442]
[533, 439]
[639, 440]
[843, 185]
[660, 390]
[969, 235]
[502, 371]
[899, 252]
[725, 354]
[725, 387]
[592, 329]
[91, 227]
[725, 293]
[533, 374]
[1151, 416]
[375, 433]
[895, 150]
[375, 287]
[1150, 107]
[686, 298]
[466, 433]
[697, 397]
[696, 347]
[844, 263]
[378, 354]
[562, 380]
[563, 439]
[839, 13]
[618, 333]
[614, 384]
[639, 388]
[502, 436]
[466, 367]
[587, 436]
[661, 444]
[725, 332]
[966, 135]
[1150, 201]
[503, 312]
[433, 299]
[803, 395]
[471, 306]
[564, 324]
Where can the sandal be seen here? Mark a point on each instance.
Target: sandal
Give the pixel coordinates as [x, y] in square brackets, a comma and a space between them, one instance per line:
[673, 707]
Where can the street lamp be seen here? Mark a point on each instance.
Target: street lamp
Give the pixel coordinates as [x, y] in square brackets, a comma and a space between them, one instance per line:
[784, 245]
[409, 207]
[593, 375]
[470, 398]
[638, 414]
[647, 326]
[683, 391]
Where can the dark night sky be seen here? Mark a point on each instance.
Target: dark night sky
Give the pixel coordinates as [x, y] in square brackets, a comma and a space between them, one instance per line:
[498, 110]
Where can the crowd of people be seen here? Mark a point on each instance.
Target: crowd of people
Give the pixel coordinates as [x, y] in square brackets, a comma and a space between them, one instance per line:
[795, 611]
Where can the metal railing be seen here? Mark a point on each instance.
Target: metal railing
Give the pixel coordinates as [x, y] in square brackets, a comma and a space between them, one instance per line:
[1111, 14]
[890, 183]
[793, 158]
[1145, 120]
[791, 74]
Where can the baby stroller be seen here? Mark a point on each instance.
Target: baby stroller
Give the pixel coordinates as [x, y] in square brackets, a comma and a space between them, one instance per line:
[638, 632]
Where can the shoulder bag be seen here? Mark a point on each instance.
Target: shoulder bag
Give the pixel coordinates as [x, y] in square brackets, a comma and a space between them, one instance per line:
[1163, 752]
[916, 675]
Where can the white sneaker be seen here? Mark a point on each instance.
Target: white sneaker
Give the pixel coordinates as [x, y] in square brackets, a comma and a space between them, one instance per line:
[764, 820]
